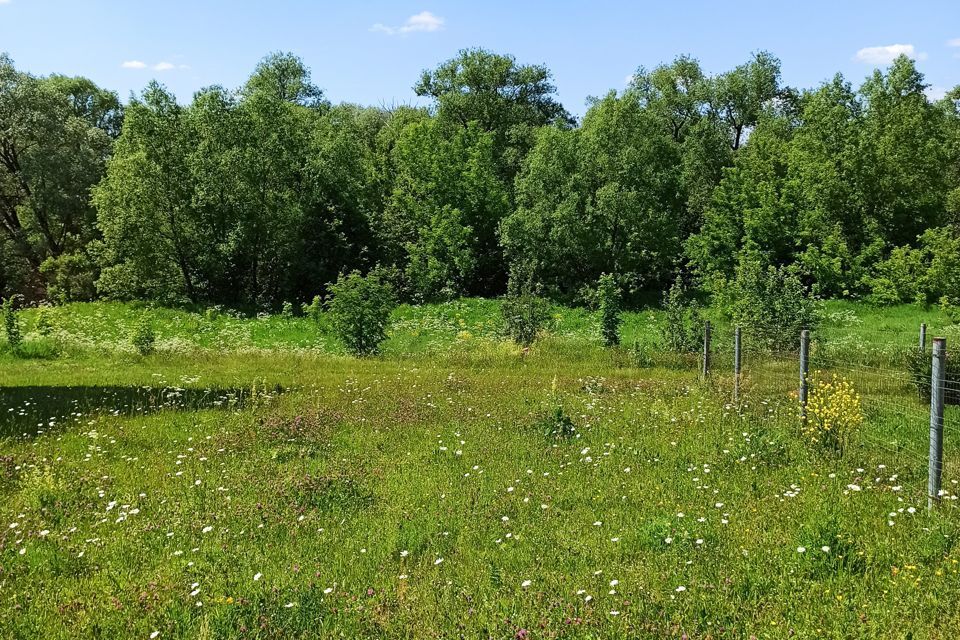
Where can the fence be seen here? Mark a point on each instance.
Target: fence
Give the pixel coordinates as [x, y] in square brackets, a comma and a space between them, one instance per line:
[908, 396]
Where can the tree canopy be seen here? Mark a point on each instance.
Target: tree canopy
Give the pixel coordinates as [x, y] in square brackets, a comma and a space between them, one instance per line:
[268, 192]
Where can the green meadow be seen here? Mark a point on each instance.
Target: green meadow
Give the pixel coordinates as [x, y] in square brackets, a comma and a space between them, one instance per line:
[251, 480]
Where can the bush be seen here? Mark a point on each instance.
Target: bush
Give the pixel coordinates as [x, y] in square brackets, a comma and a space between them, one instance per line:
[70, 277]
[833, 412]
[525, 313]
[682, 330]
[360, 309]
[44, 322]
[11, 321]
[144, 339]
[609, 302]
[556, 424]
[925, 274]
[771, 304]
[314, 310]
[920, 365]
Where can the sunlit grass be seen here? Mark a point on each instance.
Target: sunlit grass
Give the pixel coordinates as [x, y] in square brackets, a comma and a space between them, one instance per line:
[418, 494]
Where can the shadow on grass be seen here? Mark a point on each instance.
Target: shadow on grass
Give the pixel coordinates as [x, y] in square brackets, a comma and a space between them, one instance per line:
[32, 410]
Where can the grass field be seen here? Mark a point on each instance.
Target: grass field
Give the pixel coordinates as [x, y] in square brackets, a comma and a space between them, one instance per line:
[250, 480]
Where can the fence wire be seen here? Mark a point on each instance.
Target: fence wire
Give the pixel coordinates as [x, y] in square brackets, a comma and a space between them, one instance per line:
[889, 370]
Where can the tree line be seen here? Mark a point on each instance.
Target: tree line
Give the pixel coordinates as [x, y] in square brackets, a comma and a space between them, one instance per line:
[263, 194]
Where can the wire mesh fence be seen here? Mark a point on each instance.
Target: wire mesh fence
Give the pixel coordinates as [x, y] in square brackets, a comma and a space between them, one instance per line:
[894, 376]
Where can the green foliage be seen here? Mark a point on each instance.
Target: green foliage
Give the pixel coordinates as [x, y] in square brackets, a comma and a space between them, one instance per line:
[507, 99]
[525, 313]
[43, 322]
[682, 329]
[359, 308]
[11, 321]
[441, 218]
[556, 424]
[926, 274]
[604, 198]
[249, 197]
[286, 310]
[919, 364]
[771, 304]
[56, 133]
[609, 301]
[144, 338]
[71, 277]
[314, 310]
[254, 196]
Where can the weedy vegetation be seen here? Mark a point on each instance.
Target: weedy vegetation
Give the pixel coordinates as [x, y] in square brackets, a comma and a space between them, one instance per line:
[250, 478]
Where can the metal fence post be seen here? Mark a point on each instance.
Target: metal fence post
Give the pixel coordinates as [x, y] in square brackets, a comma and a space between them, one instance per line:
[804, 371]
[923, 336]
[937, 381]
[706, 349]
[736, 364]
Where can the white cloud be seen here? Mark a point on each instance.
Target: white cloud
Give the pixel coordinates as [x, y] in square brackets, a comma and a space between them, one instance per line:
[953, 43]
[5, 1]
[935, 93]
[423, 21]
[887, 54]
[159, 66]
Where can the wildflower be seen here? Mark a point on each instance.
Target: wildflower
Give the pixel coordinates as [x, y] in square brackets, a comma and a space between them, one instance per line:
[207, 529]
[438, 561]
[681, 589]
[525, 584]
[257, 577]
[801, 549]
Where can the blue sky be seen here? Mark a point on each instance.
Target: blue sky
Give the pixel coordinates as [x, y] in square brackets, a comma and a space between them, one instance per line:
[373, 52]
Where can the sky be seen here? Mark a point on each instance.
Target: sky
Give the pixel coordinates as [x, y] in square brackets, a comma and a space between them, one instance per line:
[372, 52]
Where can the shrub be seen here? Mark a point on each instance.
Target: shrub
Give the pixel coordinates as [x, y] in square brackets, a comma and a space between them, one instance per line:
[609, 301]
[771, 304]
[360, 309]
[920, 365]
[314, 310]
[144, 339]
[11, 321]
[682, 330]
[833, 412]
[525, 313]
[70, 277]
[44, 322]
[557, 424]
[924, 274]
[286, 310]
